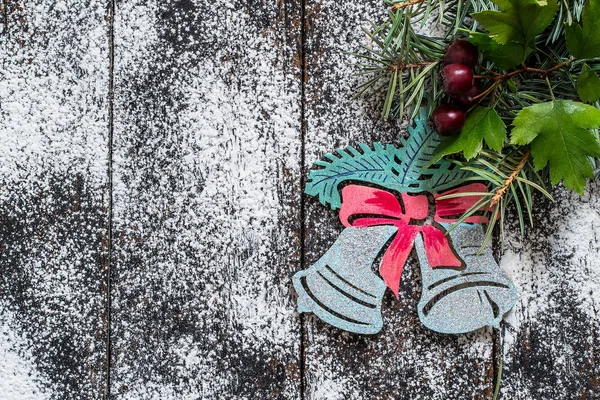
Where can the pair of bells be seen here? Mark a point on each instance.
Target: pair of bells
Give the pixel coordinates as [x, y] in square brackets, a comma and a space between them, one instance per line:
[342, 289]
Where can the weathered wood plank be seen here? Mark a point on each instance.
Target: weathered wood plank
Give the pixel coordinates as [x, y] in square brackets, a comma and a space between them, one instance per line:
[552, 338]
[405, 360]
[206, 200]
[53, 199]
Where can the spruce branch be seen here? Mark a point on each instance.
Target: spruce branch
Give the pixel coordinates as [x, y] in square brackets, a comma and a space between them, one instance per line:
[402, 64]
[499, 193]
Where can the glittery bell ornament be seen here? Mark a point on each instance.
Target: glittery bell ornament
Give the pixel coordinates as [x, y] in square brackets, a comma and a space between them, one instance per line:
[341, 288]
[391, 199]
[464, 299]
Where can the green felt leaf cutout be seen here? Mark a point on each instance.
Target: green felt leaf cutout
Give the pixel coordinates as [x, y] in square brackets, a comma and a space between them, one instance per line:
[404, 168]
[370, 165]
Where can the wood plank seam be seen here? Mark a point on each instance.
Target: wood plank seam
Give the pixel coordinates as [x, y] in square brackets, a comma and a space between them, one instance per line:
[303, 77]
[496, 358]
[5, 16]
[111, 102]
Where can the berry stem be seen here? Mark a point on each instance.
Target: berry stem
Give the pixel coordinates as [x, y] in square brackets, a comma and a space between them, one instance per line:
[489, 70]
[483, 95]
[524, 69]
[499, 78]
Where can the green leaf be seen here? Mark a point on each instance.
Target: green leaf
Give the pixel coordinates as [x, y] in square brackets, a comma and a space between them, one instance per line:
[519, 21]
[584, 42]
[588, 85]
[505, 56]
[559, 133]
[482, 124]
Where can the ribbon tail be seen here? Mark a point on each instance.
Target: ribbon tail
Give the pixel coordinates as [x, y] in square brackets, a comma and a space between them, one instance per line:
[438, 250]
[395, 257]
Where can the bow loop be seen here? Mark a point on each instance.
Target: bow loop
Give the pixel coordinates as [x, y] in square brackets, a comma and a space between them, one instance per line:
[360, 202]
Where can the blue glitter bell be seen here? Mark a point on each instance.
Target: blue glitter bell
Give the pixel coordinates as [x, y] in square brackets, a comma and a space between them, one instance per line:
[341, 288]
[464, 299]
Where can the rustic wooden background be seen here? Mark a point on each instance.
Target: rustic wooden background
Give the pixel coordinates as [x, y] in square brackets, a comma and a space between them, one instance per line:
[152, 157]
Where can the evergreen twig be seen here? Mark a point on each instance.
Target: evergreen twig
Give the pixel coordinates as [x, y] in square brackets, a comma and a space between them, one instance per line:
[499, 193]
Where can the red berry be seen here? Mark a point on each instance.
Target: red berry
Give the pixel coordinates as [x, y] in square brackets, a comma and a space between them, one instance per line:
[457, 79]
[470, 98]
[462, 52]
[448, 119]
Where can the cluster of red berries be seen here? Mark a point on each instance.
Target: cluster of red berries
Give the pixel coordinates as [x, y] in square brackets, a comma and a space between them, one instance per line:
[459, 84]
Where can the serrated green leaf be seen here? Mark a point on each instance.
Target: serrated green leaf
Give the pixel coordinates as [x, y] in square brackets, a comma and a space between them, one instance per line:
[505, 56]
[588, 85]
[481, 124]
[559, 133]
[520, 21]
[584, 42]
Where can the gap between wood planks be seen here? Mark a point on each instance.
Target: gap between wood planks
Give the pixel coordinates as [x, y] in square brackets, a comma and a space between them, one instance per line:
[5, 16]
[111, 98]
[303, 128]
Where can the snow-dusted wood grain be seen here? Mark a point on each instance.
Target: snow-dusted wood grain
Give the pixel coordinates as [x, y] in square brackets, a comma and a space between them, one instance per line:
[207, 171]
[551, 346]
[54, 76]
[405, 360]
[206, 200]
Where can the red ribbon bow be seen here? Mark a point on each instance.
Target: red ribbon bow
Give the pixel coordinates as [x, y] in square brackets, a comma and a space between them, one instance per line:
[364, 206]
